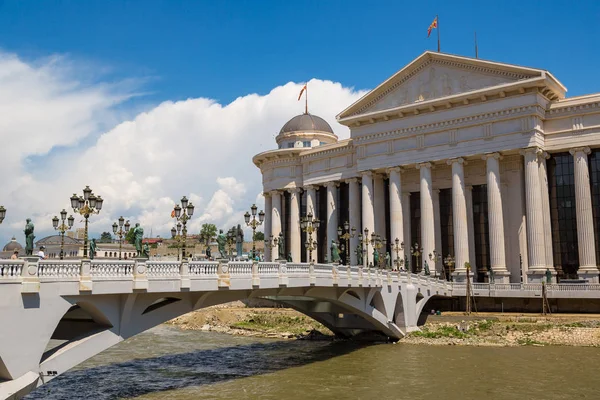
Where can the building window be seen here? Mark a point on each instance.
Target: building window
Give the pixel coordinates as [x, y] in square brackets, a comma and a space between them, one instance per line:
[415, 229]
[447, 226]
[321, 143]
[481, 232]
[594, 163]
[306, 143]
[290, 145]
[561, 184]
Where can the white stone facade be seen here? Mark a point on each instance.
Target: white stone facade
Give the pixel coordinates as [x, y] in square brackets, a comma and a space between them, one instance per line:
[453, 123]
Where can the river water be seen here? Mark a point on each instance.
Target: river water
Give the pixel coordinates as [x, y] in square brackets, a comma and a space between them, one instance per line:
[167, 363]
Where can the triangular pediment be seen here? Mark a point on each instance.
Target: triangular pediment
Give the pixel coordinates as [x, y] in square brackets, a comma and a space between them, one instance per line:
[435, 76]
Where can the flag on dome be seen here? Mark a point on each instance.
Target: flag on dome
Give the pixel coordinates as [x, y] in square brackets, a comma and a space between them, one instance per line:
[302, 91]
[433, 25]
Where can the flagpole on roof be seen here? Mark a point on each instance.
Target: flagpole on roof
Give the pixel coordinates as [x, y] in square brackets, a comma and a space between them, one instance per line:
[306, 100]
[438, 31]
[476, 52]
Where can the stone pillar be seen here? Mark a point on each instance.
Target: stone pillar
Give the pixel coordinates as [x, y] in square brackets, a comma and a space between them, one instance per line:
[332, 220]
[496, 219]
[588, 268]
[311, 207]
[471, 228]
[295, 245]
[406, 228]
[459, 219]
[396, 215]
[427, 221]
[354, 205]
[379, 204]
[545, 194]
[268, 219]
[437, 223]
[535, 219]
[275, 221]
[368, 218]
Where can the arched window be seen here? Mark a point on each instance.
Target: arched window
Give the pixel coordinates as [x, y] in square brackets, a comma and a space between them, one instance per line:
[105, 254]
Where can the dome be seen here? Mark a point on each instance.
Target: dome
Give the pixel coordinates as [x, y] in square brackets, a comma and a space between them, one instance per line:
[12, 245]
[306, 123]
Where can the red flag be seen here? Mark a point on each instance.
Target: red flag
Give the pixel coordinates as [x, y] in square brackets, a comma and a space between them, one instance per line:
[173, 214]
[302, 91]
[433, 25]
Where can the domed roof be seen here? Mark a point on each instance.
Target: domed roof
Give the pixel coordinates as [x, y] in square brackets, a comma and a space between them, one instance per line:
[306, 123]
[12, 245]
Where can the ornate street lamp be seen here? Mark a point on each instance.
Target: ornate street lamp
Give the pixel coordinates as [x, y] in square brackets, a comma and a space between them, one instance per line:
[253, 223]
[349, 233]
[121, 230]
[416, 251]
[62, 228]
[182, 214]
[310, 226]
[397, 247]
[87, 205]
[2, 213]
[449, 261]
[435, 257]
[364, 242]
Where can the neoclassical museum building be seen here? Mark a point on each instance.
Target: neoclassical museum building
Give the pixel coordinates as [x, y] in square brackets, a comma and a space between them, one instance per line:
[468, 160]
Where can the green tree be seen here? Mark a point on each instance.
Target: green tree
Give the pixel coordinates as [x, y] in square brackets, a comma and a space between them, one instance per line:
[105, 237]
[130, 237]
[258, 236]
[207, 233]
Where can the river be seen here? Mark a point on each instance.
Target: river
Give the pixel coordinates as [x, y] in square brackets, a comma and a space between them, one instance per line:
[167, 363]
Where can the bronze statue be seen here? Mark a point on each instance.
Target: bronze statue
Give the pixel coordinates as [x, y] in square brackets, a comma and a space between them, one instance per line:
[239, 240]
[388, 260]
[426, 268]
[289, 257]
[375, 258]
[548, 276]
[335, 253]
[222, 241]
[146, 250]
[92, 249]
[29, 236]
[359, 254]
[138, 233]
[281, 247]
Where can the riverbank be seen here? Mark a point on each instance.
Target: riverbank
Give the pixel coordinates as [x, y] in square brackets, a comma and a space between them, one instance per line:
[452, 328]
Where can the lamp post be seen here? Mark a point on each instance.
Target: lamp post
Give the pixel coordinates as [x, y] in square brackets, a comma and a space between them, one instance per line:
[87, 205]
[253, 223]
[364, 244]
[310, 226]
[121, 230]
[62, 228]
[416, 251]
[435, 257]
[183, 214]
[377, 244]
[349, 233]
[176, 235]
[397, 247]
[449, 261]
[2, 213]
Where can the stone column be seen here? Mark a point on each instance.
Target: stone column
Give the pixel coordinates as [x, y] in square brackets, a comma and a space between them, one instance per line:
[295, 245]
[354, 205]
[311, 207]
[437, 223]
[496, 219]
[588, 268]
[332, 220]
[368, 218]
[471, 228]
[545, 194]
[396, 215]
[535, 219]
[427, 222]
[268, 219]
[459, 219]
[406, 228]
[379, 204]
[275, 221]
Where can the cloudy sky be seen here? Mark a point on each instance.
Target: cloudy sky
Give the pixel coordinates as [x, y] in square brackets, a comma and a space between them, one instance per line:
[64, 128]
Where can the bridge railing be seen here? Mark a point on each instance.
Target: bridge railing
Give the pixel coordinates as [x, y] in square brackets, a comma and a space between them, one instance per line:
[56, 269]
[111, 269]
[163, 269]
[11, 269]
[203, 268]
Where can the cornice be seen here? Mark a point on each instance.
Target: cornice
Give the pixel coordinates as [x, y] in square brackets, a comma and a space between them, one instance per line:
[453, 123]
[341, 148]
[558, 110]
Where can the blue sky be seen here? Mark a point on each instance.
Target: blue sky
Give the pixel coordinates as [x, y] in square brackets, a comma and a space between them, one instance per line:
[226, 49]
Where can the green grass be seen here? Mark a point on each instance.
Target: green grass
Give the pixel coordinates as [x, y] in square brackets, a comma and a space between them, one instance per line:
[279, 323]
[485, 325]
[441, 332]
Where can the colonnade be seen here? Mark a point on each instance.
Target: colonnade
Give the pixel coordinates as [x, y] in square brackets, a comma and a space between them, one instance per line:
[370, 192]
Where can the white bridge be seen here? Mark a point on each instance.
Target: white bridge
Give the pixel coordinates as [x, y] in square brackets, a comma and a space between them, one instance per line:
[93, 305]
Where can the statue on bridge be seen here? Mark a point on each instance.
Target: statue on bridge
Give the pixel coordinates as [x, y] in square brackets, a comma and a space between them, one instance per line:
[29, 236]
[375, 258]
[426, 268]
[335, 253]
[221, 242]
[92, 249]
[146, 250]
[281, 247]
[388, 260]
[548, 276]
[239, 241]
[138, 233]
[289, 257]
[359, 254]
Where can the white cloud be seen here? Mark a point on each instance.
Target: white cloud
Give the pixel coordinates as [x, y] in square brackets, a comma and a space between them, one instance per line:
[141, 167]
